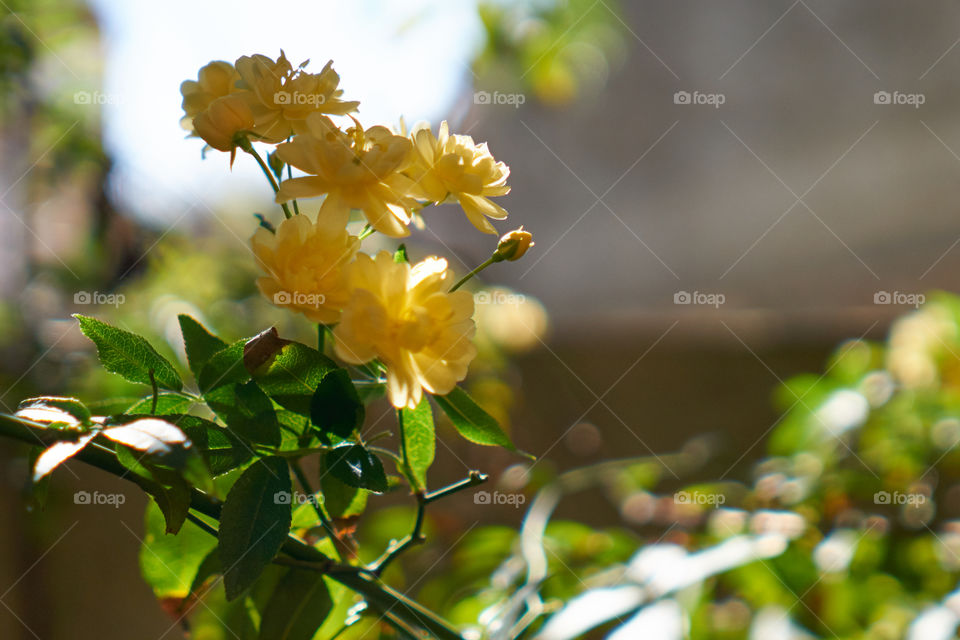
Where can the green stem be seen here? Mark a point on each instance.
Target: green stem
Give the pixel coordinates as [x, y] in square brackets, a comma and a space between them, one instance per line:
[483, 265]
[472, 480]
[416, 536]
[380, 596]
[305, 484]
[398, 547]
[246, 146]
[296, 207]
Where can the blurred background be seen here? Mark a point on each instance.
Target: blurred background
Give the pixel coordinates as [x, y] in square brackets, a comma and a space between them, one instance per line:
[720, 193]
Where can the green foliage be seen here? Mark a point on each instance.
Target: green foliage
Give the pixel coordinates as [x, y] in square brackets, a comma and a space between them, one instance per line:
[336, 408]
[471, 421]
[263, 404]
[169, 563]
[129, 355]
[291, 375]
[356, 466]
[200, 344]
[419, 440]
[254, 523]
[297, 607]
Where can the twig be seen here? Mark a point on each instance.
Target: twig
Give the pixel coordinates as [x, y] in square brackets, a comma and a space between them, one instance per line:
[305, 484]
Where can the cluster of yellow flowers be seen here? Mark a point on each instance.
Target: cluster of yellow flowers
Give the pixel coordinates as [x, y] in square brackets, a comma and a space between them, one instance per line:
[406, 316]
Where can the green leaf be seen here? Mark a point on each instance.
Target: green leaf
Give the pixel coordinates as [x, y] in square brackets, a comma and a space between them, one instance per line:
[71, 406]
[219, 448]
[200, 344]
[247, 411]
[297, 608]
[172, 494]
[400, 255]
[58, 453]
[209, 567]
[291, 375]
[153, 436]
[254, 523]
[169, 563]
[341, 500]
[296, 431]
[174, 502]
[129, 355]
[167, 403]
[472, 422]
[335, 407]
[419, 440]
[223, 368]
[353, 465]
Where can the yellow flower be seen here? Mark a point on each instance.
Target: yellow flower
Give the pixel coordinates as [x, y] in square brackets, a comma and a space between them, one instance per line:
[447, 167]
[305, 265]
[513, 245]
[282, 98]
[405, 316]
[356, 169]
[220, 123]
[214, 80]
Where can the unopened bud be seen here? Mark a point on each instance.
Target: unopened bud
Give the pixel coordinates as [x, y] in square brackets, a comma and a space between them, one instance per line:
[513, 245]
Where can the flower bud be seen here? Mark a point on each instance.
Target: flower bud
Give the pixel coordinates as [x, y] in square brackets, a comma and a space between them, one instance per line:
[219, 124]
[513, 245]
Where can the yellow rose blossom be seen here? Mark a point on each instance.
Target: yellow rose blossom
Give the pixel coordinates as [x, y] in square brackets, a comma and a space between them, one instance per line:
[214, 80]
[356, 169]
[447, 167]
[305, 265]
[282, 97]
[404, 316]
[220, 123]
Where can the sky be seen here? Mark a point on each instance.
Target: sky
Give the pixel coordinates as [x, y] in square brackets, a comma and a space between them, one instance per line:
[406, 58]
